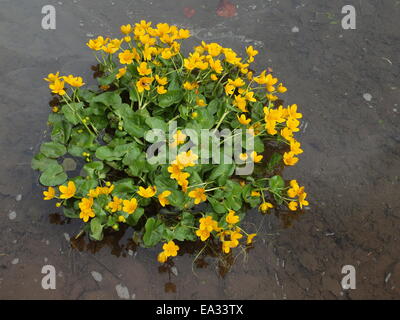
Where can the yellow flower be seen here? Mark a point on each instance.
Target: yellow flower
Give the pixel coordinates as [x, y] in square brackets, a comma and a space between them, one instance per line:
[281, 88]
[52, 77]
[86, 204]
[148, 192]
[294, 190]
[85, 215]
[216, 65]
[203, 234]
[208, 223]
[293, 124]
[242, 119]
[250, 238]
[295, 147]
[96, 44]
[302, 198]
[57, 87]
[187, 159]
[214, 77]
[240, 102]
[179, 138]
[49, 194]
[166, 54]
[67, 191]
[74, 81]
[144, 83]
[289, 159]
[255, 157]
[170, 249]
[161, 90]
[126, 57]
[251, 53]
[190, 86]
[113, 46]
[162, 81]
[121, 73]
[162, 257]
[148, 52]
[255, 194]
[265, 206]
[198, 195]
[116, 204]
[183, 34]
[287, 133]
[121, 219]
[126, 29]
[293, 205]
[292, 112]
[201, 102]
[143, 69]
[162, 198]
[129, 206]
[243, 156]
[231, 218]
[175, 169]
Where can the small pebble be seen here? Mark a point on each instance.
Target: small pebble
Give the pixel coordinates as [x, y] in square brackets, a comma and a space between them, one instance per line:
[295, 29]
[130, 252]
[12, 215]
[15, 261]
[97, 276]
[367, 96]
[18, 197]
[66, 236]
[174, 270]
[122, 291]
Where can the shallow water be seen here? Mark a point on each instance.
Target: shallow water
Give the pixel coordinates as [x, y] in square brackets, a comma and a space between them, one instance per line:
[350, 167]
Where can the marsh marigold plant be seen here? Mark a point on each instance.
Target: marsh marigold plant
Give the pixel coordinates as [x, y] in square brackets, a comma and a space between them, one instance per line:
[145, 82]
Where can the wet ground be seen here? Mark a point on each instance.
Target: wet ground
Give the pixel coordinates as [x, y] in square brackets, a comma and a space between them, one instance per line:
[346, 83]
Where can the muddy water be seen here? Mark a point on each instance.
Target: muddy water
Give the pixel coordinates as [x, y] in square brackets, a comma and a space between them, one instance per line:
[351, 163]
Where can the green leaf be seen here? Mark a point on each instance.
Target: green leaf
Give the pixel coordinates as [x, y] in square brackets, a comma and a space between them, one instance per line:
[54, 175]
[109, 98]
[53, 149]
[218, 206]
[71, 112]
[124, 186]
[170, 98]
[95, 169]
[157, 123]
[96, 229]
[276, 183]
[41, 162]
[134, 218]
[154, 230]
[61, 132]
[182, 233]
[274, 161]
[71, 213]
[108, 79]
[222, 170]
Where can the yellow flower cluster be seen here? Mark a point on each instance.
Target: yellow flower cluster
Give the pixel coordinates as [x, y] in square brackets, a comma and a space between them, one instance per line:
[151, 191]
[229, 236]
[296, 191]
[183, 160]
[57, 82]
[170, 249]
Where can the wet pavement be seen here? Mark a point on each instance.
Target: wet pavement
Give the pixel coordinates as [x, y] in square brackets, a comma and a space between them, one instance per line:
[346, 83]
